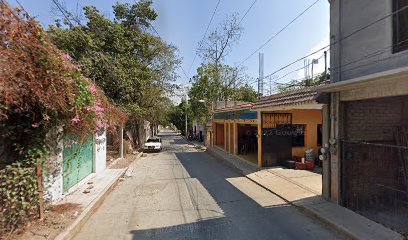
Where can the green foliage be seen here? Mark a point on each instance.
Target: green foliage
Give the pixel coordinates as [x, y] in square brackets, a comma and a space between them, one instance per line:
[18, 196]
[296, 84]
[245, 93]
[177, 116]
[135, 69]
[226, 84]
[41, 92]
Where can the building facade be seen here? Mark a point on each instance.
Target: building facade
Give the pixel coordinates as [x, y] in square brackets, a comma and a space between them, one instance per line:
[273, 130]
[367, 108]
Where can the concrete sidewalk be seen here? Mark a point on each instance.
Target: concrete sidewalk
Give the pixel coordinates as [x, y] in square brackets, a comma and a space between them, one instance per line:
[89, 196]
[302, 189]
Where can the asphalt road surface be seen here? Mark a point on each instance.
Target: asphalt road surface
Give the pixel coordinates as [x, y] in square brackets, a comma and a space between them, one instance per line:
[184, 193]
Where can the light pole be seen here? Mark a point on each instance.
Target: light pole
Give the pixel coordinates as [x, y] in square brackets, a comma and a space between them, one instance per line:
[186, 116]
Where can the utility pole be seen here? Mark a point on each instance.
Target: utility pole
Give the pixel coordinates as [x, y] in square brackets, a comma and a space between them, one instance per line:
[325, 66]
[314, 61]
[261, 75]
[186, 114]
[311, 79]
[121, 147]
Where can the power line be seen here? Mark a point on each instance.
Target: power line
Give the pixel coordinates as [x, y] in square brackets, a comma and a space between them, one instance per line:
[247, 11]
[381, 51]
[340, 40]
[369, 63]
[298, 69]
[67, 15]
[205, 34]
[376, 53]
[280, 31]
[355, 61]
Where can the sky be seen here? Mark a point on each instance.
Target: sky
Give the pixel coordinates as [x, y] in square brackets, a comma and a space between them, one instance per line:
[183, 23]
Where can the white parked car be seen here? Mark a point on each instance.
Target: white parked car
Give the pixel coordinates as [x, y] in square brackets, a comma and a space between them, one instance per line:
[153, 144]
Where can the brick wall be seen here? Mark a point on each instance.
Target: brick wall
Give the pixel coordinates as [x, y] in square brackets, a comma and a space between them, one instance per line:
[373, 120]
[372, 172]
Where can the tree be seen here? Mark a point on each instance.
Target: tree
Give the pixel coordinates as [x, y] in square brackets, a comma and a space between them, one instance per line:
[296, 84]
[210, 89]
[215, 48]
[246, 93]
[177, 116]
[135, 69]
[219, 42]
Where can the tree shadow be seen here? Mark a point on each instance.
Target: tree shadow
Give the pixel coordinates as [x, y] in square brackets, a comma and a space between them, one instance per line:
[243, 217]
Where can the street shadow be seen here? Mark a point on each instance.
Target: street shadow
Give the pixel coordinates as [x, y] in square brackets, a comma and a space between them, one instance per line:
[243, 217]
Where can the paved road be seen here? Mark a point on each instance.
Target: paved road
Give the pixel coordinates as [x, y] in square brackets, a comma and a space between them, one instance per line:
[183, 193]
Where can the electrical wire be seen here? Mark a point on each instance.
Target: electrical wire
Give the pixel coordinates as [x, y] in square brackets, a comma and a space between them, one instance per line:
[381, 51]
[280, 31]
[247, 11]
[340, 40]
[205, 34]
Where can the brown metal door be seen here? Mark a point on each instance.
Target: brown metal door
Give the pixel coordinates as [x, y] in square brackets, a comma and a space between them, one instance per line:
[276, 139]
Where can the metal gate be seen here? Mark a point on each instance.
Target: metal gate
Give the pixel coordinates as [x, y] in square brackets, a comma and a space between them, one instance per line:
[374, 182]
[276, 141]
[77, 162]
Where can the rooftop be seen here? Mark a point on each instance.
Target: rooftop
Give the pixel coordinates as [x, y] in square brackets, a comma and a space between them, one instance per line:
[296, 97]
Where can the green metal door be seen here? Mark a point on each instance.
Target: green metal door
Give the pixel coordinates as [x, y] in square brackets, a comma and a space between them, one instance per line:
[77, 163]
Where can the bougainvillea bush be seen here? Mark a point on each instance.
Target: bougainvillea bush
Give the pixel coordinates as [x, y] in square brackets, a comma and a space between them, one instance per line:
[41, 91]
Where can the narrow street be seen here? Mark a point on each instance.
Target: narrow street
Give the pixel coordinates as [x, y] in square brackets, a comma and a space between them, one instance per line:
[184, 193]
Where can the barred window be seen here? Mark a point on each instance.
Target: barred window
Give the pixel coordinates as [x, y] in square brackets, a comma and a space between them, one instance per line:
[400, 25]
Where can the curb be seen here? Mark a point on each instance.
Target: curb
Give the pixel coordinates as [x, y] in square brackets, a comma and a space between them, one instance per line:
[129, 170]
[304, 209]
[310, 213]
[76, 226]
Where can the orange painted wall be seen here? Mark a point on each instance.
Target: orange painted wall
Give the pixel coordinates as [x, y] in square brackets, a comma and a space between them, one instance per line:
[231, 139]
[311, 118]
[219, 132]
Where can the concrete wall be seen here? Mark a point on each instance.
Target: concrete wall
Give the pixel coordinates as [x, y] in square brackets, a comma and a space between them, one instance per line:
[100, 152]
[347, 16]
[52, 179]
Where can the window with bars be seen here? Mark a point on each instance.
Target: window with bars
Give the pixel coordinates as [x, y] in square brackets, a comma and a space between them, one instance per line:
[400, 25]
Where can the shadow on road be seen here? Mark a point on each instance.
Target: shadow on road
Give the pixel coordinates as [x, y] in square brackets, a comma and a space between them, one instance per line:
[243, 217]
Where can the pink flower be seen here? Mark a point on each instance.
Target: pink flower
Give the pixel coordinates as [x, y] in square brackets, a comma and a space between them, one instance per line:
[92, 89]
[66, 57]
[46, 117]
[75, 120]
[20, 152]
[35, 125]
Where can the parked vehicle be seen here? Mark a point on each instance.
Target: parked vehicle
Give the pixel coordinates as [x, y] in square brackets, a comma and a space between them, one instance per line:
[153, 144]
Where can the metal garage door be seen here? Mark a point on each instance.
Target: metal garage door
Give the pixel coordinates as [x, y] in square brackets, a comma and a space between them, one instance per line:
[77, 163]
